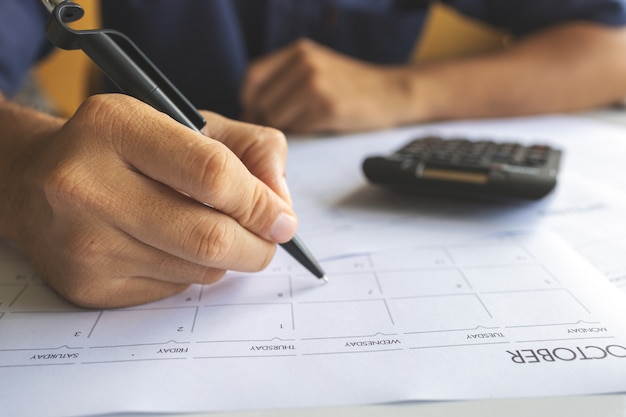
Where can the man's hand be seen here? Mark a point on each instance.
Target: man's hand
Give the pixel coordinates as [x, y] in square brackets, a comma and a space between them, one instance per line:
[306, 87]
[122, 205]
[309, 88]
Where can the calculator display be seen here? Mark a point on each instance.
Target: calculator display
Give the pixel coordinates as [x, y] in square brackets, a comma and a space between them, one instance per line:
[451, 175]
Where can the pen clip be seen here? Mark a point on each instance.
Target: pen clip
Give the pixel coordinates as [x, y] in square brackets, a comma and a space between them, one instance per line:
[121, 60]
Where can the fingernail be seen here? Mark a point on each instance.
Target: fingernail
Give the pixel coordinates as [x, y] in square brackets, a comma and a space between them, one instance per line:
[284, 228]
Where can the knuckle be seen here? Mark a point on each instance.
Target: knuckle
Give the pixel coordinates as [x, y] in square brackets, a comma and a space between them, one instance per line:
[67, 186]
[304, 45]
[271, 138]
[262, 212]
[259, 212]
[306, 56]
[95, 103]
[215, 167]
[211, 243]
[100, 108]
[111, 118]
[309, 66]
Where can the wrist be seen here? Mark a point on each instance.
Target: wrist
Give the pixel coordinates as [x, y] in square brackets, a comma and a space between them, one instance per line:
[24, 133]
[415, 95]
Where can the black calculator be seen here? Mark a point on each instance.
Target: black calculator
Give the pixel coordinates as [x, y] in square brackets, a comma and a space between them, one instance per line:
[467, 167]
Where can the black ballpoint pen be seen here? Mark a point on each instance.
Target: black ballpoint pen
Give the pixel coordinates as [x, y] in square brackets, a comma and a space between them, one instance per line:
[135, 75]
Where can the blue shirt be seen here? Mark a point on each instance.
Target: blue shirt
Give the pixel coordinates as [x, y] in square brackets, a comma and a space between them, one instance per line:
[204, 46]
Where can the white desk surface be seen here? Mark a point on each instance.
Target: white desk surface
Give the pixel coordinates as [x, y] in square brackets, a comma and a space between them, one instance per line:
[579, 406]
[596, 406]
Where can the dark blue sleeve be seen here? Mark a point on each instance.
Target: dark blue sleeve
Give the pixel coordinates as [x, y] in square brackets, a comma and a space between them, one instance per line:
[521, 17]
[198, 45]
[22, 40]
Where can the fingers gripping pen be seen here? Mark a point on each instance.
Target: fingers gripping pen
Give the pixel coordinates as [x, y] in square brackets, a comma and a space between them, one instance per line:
[134, 74]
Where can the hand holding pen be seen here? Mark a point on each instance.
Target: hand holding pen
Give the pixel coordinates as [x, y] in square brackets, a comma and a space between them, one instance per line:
[112, 208]
[134, 74]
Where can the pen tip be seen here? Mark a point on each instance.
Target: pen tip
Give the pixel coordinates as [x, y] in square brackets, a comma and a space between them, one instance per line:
[325, 278]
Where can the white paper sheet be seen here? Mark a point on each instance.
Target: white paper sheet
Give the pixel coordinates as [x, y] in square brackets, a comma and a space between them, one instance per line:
[429, 299]
[504, 316]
